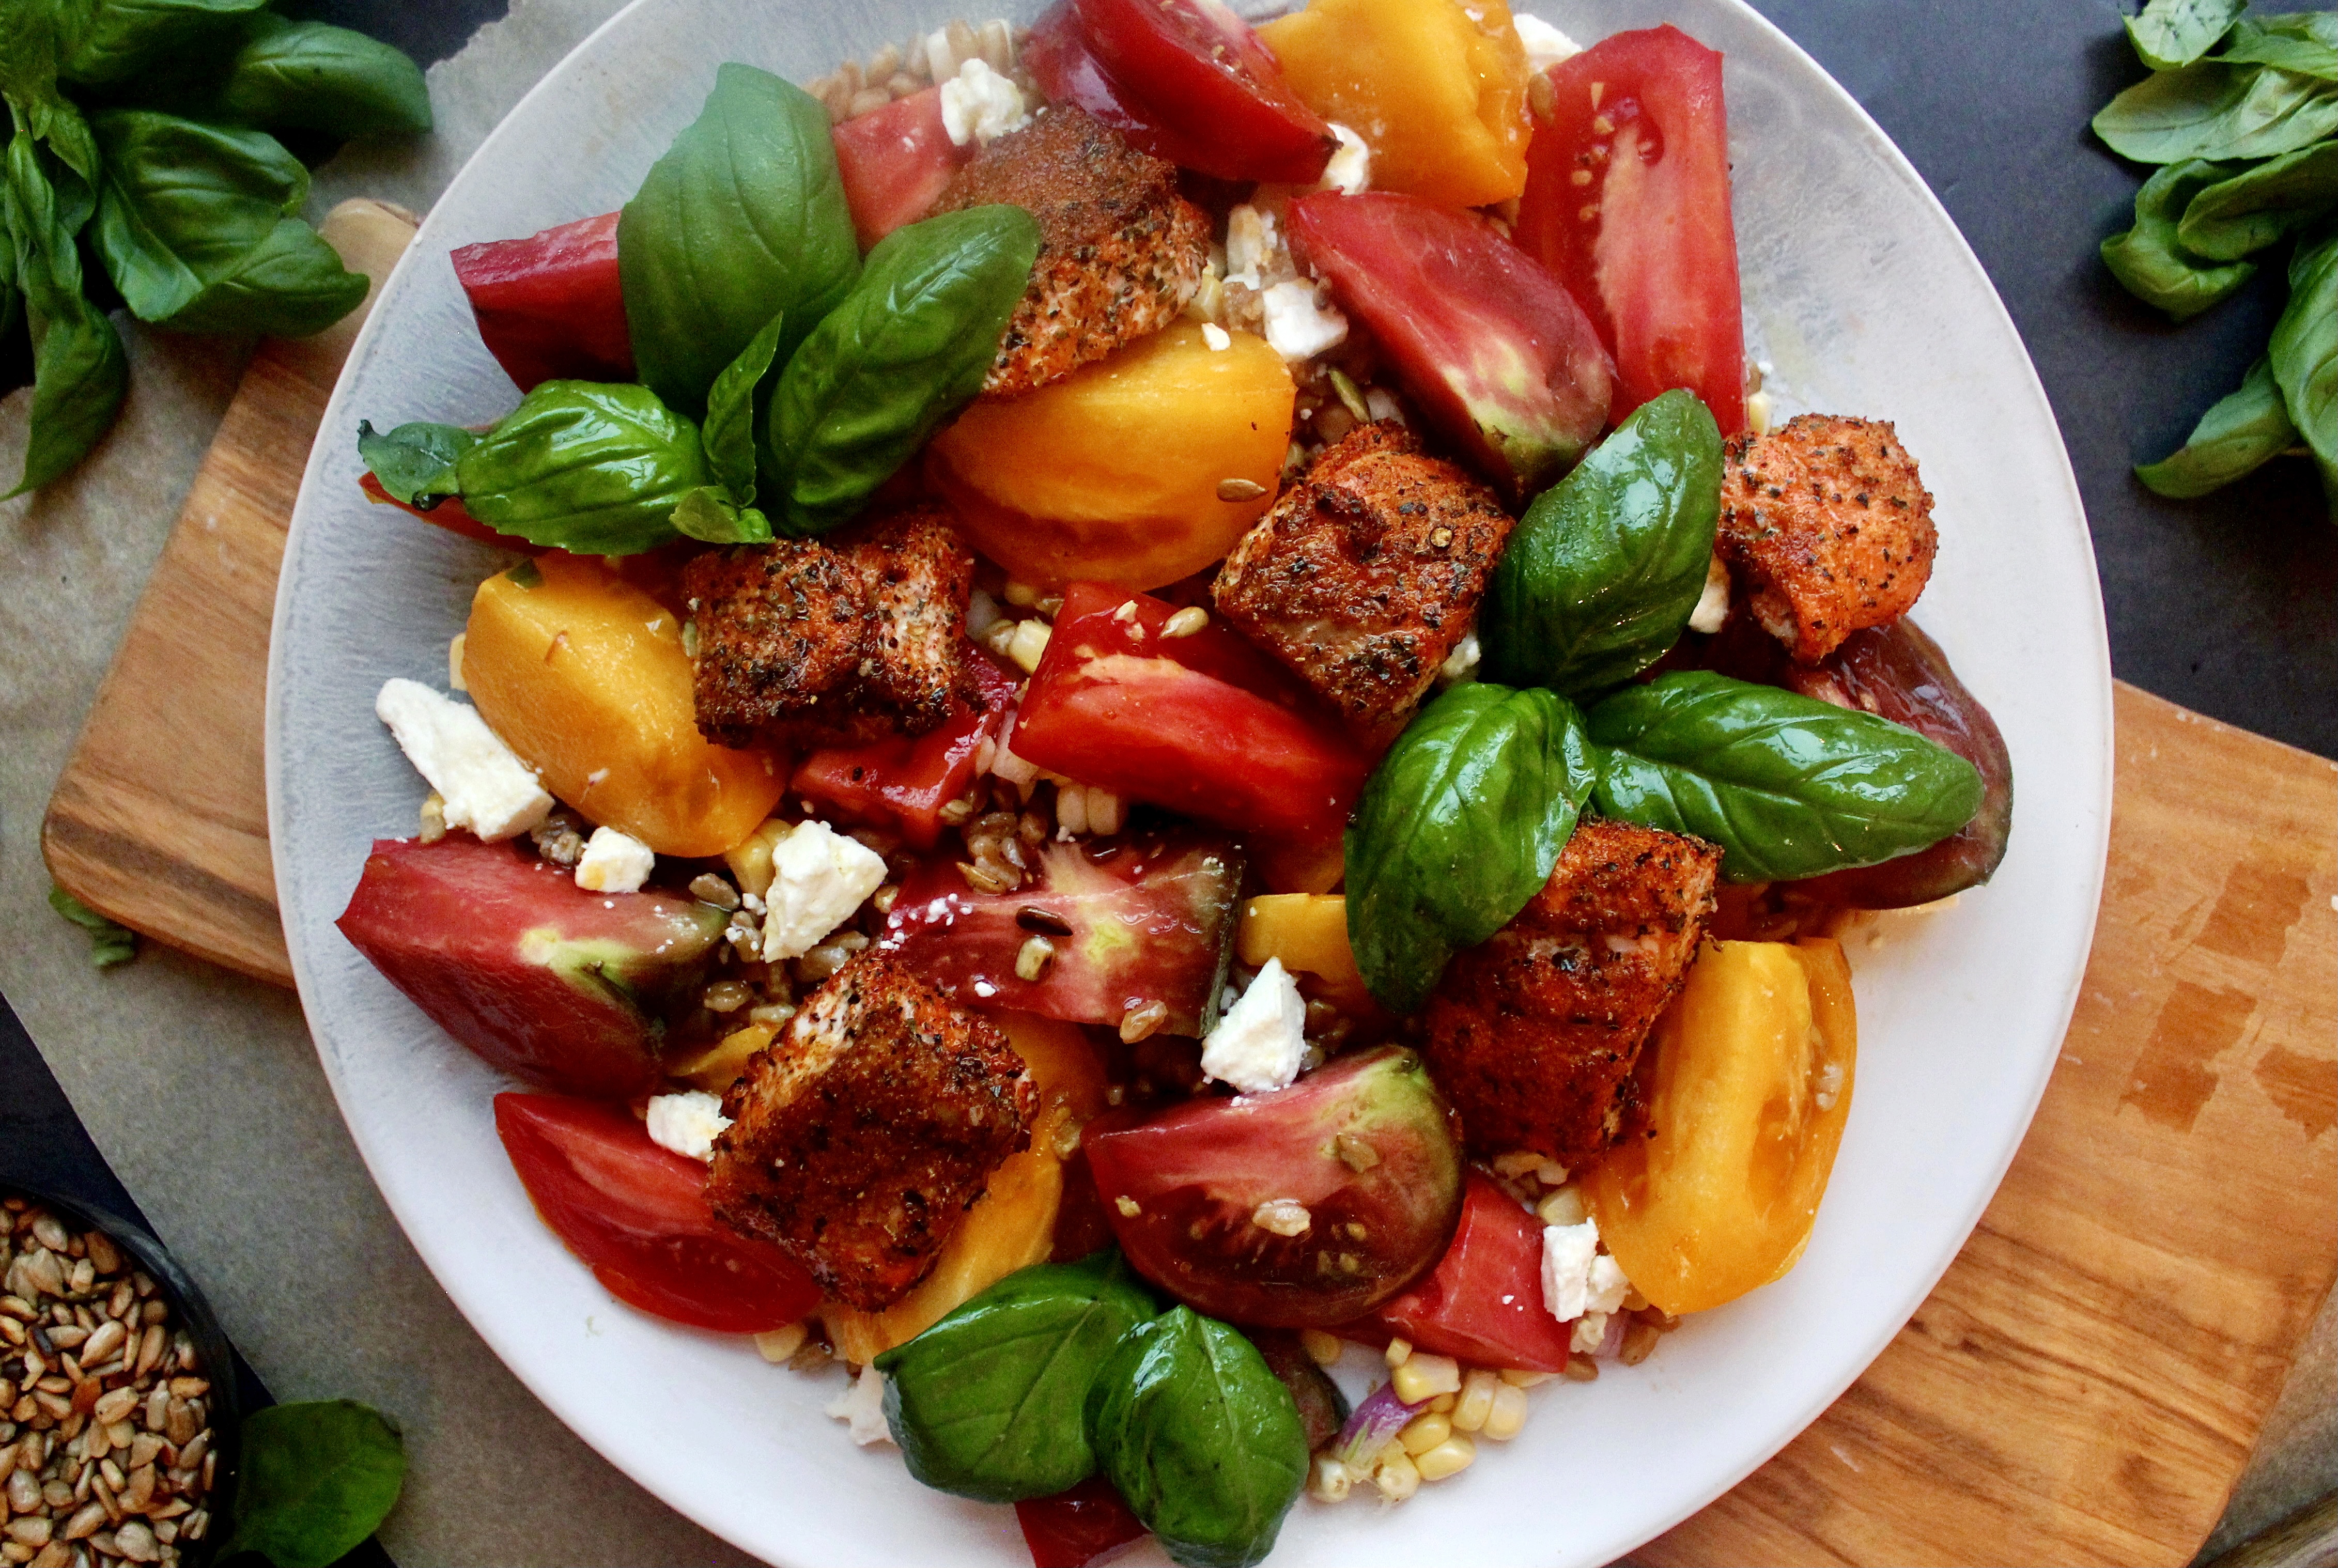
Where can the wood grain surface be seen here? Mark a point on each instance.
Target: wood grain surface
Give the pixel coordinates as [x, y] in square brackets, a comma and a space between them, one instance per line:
[2087, 1381]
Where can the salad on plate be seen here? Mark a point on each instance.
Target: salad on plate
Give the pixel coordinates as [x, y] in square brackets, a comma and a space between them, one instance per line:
[1164, 703]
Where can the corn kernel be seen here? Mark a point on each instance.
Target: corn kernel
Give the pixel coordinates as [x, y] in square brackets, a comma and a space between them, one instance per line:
[1508, 1413]
[1394, 1473]
[1022, 595]
[1517, 1162]
[1551, 1173]
[1398, 1350]
[1449, 1457]
[1323, 1349]
[1563, 1207]
[1030, 643]
[1519, 1377]
[1424, 1376]
[777, 1343]
[1328, 1481]
[1476, 1397]
[1424, 1433]
[1442, 1403]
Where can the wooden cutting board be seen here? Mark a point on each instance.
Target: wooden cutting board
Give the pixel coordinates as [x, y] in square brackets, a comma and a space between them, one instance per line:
[2087, 1383]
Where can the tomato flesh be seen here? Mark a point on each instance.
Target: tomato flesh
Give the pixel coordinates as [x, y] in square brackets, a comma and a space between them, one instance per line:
[1204, 725]
[1061, 61]
[1646, 241]
[637, 1215]
[894, 163]
[449, 514]
[550, 306]
[1484, 1302]
[1364, 1145]
[1197, 66]
[1499, 356]
[904, 781]
[1085, 1526]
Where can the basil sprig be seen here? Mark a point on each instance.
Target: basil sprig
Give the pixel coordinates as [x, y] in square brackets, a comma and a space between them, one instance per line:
[1788, 786]
[589, 466]
[743, 217]
[316, 1479]
[1603, 571]
[1458, 825]
[908, 348]
[81, 371]
[990, 1402]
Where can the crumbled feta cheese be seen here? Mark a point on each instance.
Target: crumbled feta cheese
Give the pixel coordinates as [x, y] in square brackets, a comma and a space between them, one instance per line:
[1577, 1278]
[1546, 45]
[1712, 605]
[1259, 1041]
[484, 784]
[1254, 248]
[1381, 403]
[1589, 1330]
[1216, 336]
[861, 1408]
[1461, 664]
[979, 105]
[688, 1123]
[614, 862]
[1608, 1287]
[819, 878]
[1350, 170]
[1297, 326]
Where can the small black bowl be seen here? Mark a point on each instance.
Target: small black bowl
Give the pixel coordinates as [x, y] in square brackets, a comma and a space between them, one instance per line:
[211, 1342]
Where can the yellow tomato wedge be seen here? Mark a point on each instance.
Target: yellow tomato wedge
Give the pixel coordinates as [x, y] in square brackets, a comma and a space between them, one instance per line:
[1013, 1224]
[1748, 1090]
[1309, 932]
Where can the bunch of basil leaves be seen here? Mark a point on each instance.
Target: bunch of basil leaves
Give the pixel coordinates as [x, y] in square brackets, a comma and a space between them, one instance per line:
[1465, 817]
[2241, 115]
[141, 171]
[784, 378]
[1064, 1369]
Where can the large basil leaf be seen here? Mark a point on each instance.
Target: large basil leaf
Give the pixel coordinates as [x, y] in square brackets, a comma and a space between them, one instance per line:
[121, 38]
[2305, 41]
[590, 468]
[317, 1479]
[314, 76]
[2242, 432]
[709, 515]
[2149, 260]
[1602, 572]
[415, 462]
[1788, 786]
[2218, 111]
[290, 285]
[1200, 1437]
[2262, 206]
[2305, 349]
[2172, 32]
[743, 217]
[182, 203]
[79, 370]
[730, 431]
[1459, 825]
[908, 348]
[991, 1401]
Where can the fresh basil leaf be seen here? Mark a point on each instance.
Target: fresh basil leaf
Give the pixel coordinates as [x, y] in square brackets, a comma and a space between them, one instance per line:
[708, 515]
[744, 217]
[991, 1401]
[1200, 1438]
[47, 262]
[2262, 206]
[2304, 348]
[182, 204]
[908, 348]
[591, 467]
[79, 369]
[1602, 572]
[2241, 432]
[290, 285]
[2305, 41]
[109, 942]
[122, 38]
[2218, 111]
[314, 76]
[317, 1480]
[1788, 786]
[2172, 32]
[1458, 825]
[61, 127]
[416, 463]
[730, 432]
[2149, 260]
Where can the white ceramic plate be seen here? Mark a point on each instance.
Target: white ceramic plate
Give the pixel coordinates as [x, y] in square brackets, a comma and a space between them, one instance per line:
[1865, 298]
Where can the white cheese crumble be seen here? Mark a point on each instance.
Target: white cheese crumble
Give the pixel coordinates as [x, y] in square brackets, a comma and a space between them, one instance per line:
[979, 105]
[1381, 403]
[688, 1123]
[1259, 1041]
[1577, 1277]
[485, 787]
[614, 862]
[1254, 249]
[1461, 664]
[1712, 605]
[1589, 1330]
[1545, 46]
[861, 1408]
[1297, 326]
[1216, 336]
[819, 878]
[1350, 170]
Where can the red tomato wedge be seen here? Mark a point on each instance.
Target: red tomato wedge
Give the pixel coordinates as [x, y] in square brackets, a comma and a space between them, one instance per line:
[1196, 67]
[903, 781]
[1204, 725]
[1483, 1302]
[1627, 203]
[1079, 1528]
[1060, 59]
[1499, 355]
[550, 306]
[637, 1215]
[895, 162]
[447, 514]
